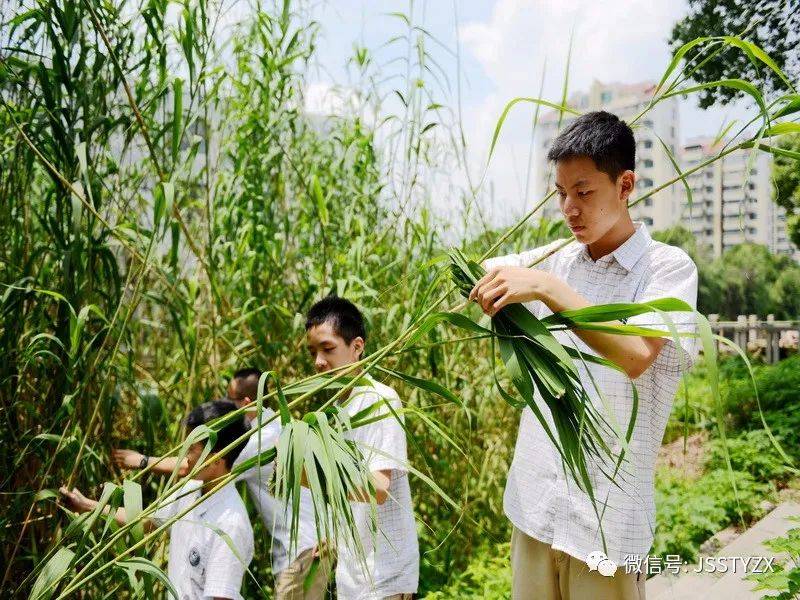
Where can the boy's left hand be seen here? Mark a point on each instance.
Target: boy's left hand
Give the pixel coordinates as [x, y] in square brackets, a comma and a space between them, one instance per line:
[502, 286]
[76, 500]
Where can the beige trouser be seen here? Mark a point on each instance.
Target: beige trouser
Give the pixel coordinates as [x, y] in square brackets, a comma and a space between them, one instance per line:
[289, 582]
[541, 573]
[399, 597]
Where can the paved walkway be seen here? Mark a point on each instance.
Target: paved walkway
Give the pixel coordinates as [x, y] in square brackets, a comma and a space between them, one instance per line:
[731, 585]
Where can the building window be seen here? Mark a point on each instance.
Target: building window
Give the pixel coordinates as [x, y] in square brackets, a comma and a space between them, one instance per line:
[605, 97]
[648, 201]
[648, 143]
[648, 221]
[648, 164]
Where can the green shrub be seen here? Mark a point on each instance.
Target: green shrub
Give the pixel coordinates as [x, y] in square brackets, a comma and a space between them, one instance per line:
[690, 511]
[785, 579]
[778, 390]
[487, 576]
[684, 518]
[751, 452]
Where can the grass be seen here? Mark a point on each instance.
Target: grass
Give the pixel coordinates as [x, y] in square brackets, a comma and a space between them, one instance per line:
[166, 214]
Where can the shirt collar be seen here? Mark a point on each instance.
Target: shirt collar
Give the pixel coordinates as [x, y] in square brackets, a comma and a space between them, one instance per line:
[629, 252]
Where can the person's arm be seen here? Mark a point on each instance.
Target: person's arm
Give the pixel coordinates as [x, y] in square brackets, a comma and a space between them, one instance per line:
[502, 286]
[81, 504]
[380, 481]
[164, 465]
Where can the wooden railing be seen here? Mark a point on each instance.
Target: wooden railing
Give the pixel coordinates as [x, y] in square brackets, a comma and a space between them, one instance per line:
[770, 338]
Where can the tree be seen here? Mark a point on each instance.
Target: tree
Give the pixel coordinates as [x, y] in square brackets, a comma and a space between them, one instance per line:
[773, 25]
[786, 176]
[708, 285]
[747, 279]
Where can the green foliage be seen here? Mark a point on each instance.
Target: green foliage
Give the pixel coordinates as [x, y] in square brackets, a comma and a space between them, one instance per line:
[487, 576]
[786, 177]
[158, 231]
[785, 579]
[751, 452]
[685, 516]
[771, 24]
[689, 512]
[746, 279]
[779, 394]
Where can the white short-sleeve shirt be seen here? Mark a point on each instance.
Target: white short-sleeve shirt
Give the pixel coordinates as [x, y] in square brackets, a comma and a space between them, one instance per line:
[540, 500]
[272, 510]
[391, 553]
[201, 563]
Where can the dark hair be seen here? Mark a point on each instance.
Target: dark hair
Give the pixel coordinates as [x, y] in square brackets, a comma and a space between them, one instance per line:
[209, 411]
[345, 319]
[601, 136]
[248, 381]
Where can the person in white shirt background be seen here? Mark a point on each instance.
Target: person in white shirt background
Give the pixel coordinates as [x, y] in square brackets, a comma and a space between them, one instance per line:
[335, 336]
[291, 562]
[290, 569]
[202, 564]
[556, 531]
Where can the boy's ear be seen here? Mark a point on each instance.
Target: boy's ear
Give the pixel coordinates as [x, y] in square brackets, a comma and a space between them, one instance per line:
[627, 181]
[358, 345]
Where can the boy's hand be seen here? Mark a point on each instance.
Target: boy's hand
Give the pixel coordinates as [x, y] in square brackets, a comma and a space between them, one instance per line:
[126, 459]
[502, 286]
[77, 501]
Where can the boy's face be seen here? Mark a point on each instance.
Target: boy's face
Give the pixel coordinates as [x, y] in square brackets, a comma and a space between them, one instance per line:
[236, 395]
[211, 471]
[591, 202]
[329, 350]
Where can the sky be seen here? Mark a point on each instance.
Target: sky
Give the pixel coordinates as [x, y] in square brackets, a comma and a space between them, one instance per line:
[502, 47]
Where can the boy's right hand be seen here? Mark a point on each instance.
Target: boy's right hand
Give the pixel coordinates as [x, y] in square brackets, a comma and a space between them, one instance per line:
[126, 459]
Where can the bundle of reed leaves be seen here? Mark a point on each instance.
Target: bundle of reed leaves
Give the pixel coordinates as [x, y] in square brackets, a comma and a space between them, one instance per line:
[536, 361]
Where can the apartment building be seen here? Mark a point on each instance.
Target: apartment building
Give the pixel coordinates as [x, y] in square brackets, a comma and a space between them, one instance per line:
[732, 199]
[653, 165]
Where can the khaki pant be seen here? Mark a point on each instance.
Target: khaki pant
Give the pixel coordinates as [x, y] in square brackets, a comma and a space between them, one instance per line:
[289, 582]
[541, 573]
[399, 597]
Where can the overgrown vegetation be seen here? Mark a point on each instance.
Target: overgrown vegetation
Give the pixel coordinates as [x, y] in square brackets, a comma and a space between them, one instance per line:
[168, 209]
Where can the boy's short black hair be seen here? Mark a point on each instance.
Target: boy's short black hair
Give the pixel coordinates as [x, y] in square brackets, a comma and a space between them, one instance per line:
[248, 381]
[208, 411]
[345, 318]
[601, 136]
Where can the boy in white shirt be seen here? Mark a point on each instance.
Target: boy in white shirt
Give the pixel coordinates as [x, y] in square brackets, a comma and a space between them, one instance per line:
[289, 568]
[335, 335]
[201, 563]
[291, 563]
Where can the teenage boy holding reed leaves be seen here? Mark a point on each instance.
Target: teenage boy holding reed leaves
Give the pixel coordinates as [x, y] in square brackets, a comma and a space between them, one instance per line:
[202, 563]
[335, 335]
[613, 259]
[291, 563]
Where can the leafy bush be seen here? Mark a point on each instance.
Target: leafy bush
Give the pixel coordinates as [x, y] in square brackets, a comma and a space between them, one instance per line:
[779, 394]
[487, 576]
[684, 518]
[689, 512]
[785, 579]
[752, 452]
